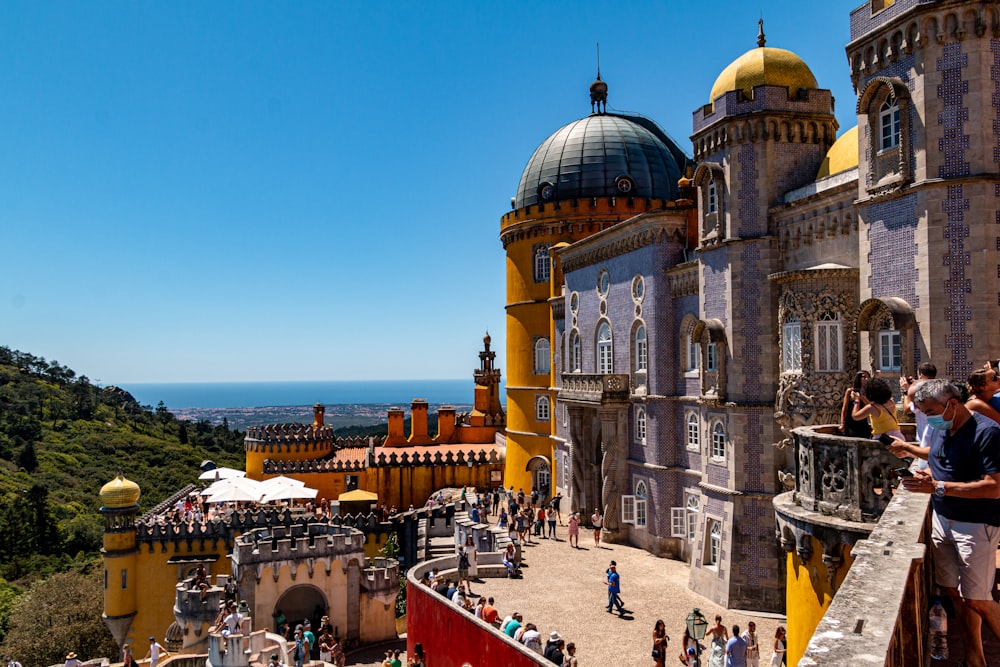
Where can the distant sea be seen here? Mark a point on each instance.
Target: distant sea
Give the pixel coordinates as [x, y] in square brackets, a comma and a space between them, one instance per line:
[264, 394]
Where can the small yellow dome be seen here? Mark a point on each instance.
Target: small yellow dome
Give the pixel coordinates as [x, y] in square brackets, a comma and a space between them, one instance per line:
[119, 493]
[764, 65]
[843, 155]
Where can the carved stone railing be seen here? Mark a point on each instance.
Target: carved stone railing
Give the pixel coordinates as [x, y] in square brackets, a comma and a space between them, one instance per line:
[594, 388]
[850, 478]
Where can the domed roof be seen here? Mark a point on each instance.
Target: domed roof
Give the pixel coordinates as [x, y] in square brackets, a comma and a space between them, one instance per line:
[602, 155]
[843, 155]
[764, 65]
[119, 493]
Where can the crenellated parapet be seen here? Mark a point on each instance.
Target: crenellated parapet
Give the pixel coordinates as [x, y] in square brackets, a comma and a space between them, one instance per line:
[285, 437]
[278, 467]
[298, 542]
[449, 458]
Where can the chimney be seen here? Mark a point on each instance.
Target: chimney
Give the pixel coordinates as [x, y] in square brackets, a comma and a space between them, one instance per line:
[395, 437]
[418, 423]
[318, 411]
[446, 424]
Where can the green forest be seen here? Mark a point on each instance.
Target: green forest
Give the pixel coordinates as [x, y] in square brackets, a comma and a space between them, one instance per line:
[61, 439]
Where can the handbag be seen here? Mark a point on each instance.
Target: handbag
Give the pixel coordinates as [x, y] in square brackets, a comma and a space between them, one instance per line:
[656, 654]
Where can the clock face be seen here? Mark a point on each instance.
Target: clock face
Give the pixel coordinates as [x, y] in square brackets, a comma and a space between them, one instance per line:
[548, 190]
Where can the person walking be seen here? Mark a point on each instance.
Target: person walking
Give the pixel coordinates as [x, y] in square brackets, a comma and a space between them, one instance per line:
[753, 648]
[614, 588]
[736, 649]
[550, 518]
[660, 641]
[156, 651]
[778, 657]
[720, 635]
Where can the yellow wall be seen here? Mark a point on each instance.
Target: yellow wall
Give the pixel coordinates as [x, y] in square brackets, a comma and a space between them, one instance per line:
[808, 595]
[154, 580]
[405, 485]
[378, 620]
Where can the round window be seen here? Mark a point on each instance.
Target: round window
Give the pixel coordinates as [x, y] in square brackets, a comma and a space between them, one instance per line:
[624, 184]
[574, 302]
[603, 283]
[638, 288]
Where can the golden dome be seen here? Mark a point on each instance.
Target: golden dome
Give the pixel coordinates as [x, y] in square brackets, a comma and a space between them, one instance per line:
[843, 155]
[119, 493]
[764, 65]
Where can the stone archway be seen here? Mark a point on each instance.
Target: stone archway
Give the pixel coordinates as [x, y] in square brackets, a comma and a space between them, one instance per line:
[302, 602]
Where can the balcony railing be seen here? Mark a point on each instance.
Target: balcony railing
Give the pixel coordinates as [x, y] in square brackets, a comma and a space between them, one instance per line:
[594, 388]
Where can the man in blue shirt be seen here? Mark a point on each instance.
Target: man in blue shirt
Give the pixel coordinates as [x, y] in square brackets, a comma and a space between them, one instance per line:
[736, 649]
[964, 475]
[614, 588]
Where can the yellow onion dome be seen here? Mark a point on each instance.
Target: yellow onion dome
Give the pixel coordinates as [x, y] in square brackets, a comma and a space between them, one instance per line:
[764, 65]
[119, 493]
[843, 155]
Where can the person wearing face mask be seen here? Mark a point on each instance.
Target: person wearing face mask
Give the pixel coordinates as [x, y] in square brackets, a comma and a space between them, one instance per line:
[963, 475]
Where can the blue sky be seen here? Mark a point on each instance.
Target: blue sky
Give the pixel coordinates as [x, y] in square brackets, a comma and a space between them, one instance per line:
[206, 191]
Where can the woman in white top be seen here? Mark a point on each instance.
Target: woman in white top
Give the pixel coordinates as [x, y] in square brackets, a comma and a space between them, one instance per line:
[778, 657]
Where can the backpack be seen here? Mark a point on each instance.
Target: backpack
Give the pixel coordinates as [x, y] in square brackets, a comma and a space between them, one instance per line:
[463, 561]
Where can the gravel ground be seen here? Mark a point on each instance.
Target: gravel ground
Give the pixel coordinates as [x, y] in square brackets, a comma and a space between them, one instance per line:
[563, 589]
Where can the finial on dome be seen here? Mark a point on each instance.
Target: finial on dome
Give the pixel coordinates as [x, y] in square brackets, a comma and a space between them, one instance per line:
[761, 41]
[598, 89]
[487, 340]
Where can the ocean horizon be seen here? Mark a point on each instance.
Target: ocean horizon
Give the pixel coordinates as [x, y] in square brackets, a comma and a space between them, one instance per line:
[179, 395]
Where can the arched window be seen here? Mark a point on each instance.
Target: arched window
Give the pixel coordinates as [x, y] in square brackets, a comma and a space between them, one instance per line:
[641, 350]
[713, 198]
[714, 542]
[542, 408]
[693, 437]
[640, 503]
[640, 425]
[542, 264]
[890, 350]
[888, 115]
[829, 344]
[605, 365]
[718, 441]
[541, 475]
[542, 356]
[575, 355]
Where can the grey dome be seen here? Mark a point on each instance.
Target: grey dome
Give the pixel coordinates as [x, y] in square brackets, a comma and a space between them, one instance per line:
[602, 155]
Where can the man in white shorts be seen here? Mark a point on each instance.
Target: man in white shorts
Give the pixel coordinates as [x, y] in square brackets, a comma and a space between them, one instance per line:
[964, 475]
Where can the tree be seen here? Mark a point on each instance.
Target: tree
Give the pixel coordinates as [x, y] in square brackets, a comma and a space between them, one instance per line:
[60, 614]
[27, 458]
[182, 434]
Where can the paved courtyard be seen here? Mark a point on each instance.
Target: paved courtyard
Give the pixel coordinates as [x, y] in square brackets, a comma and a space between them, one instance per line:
[563, 589]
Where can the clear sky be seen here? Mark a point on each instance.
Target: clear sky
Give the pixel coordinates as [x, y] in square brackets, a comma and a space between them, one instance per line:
[228, 191]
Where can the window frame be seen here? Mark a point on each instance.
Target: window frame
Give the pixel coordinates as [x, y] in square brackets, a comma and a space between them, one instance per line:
[712, 357]
[791, 346]
[605, 351]
[543, 408]
[823, 328]
[678, 522]
[542, 263]
[641, 360]
[890, 126]
[717, 444]
[693, 352]
[712, 197]
[641, 491]
[713, 537]
[575, 352]
[693, 507]
[628, 509]
[541, 361]
[692, 431]
[640, 425]
[891, 341]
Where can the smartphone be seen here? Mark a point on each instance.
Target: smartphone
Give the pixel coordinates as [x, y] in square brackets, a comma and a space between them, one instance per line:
[886, 439]
[902, 472]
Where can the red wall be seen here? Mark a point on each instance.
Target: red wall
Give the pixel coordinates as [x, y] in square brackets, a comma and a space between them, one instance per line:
[452, 637]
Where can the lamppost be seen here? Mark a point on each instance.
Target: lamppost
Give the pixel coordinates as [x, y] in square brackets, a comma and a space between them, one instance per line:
[696, 625]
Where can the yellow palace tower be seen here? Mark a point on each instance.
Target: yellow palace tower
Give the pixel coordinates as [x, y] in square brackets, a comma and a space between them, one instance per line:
[587, 176]
[119, 505]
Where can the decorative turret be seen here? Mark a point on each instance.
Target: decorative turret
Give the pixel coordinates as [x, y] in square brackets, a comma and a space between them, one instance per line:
[487, 409]
[119, 505]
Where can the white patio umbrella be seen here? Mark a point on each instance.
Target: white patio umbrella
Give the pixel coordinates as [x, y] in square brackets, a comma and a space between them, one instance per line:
[247, 486]
[233, 494]
[279, 481]
[221, 473]
[288, 492]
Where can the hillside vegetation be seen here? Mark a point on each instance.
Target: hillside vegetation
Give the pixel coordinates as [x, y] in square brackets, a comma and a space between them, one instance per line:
[61, 439]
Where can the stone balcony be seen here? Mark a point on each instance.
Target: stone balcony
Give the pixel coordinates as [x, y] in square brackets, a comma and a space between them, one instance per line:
[849, 478]
[594, 388]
